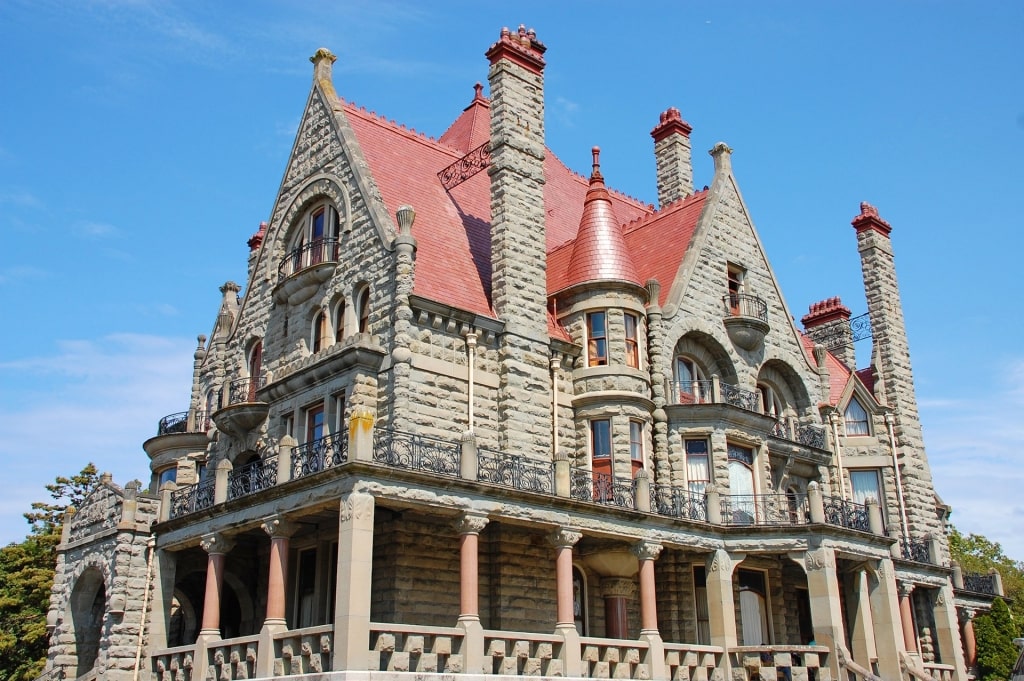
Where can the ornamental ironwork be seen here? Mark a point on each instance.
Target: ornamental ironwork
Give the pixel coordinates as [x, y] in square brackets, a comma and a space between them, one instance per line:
[693, 392]
[834, 336]
[179, 423]
[308, 255]
[515, 471]
[243, 390]
[917, 550]
[601, 488]
[417, 452]
[765, 509]
[780, 429]
[320, 454]
[186, 500]
[848, 514]
[253, 477]
[738, 397]
[980, 584]
[677, 502]
[466, 167]
[745, 305]
[811, 436]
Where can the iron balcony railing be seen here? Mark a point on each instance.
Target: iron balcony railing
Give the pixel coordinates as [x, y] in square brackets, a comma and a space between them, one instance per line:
[738, 397]
[676, 502]
[809, 435]
[765, 509]
[315, 252]
[602, 488]
[693, 392]
[320, 454]
[192, 498]
[916, 550]
[417, 452]
[745, 305]
[980, 584]
[243, 390]
[848, 514]
[514, 471]
[253, 477]
[179, 423]
[703, 392]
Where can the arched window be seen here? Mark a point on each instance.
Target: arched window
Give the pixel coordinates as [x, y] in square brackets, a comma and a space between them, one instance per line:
[339, 321]
[363, 309]
[691, 384]
[255, 366]
[771, 404]
[320, 337]
[856, 418]
[579, 601]
[316, 239]
[741, 485]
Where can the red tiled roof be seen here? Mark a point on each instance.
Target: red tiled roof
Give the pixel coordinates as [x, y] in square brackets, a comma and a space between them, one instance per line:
[867, 377]
[473, 127]
[838, 374]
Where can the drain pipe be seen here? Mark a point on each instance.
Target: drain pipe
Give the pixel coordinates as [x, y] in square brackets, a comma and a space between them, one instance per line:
[471, 349]
[899, 478]
[554, 363]
[151, 547]
[833, 419]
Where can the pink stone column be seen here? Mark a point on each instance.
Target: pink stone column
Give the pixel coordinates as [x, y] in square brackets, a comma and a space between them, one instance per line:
[564, 539]
[647, 553]
[907, 617]
[970, 644]
[469, 525]
[216, 546]
[280, 531]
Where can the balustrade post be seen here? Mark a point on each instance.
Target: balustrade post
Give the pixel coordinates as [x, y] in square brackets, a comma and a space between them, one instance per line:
[875, 523]
[815, 504]
[714, 501]
[563, 540]
[360, 435]
[716, 389]
[934, 549]
[221, 473]
[284, 458]
[563, 475]
[643, 491]
[469, 462]
[997, 582]
[166, 490]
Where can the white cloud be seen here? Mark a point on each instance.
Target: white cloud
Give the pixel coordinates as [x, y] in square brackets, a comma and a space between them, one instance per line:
[91, 400]
[94, 230]
[20, 197]
[974, 447]
[20, 273]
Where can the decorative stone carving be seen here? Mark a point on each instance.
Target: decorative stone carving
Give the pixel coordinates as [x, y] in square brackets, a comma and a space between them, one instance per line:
[276, 526]
[565, 537]
[647, 550]
[215, 543]
[471, 523]
[819, 560]
[356, 506]
[618, 587]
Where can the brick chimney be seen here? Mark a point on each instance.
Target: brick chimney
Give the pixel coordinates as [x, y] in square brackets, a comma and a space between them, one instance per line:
[518, 241]
[672, 157]
[828, 322]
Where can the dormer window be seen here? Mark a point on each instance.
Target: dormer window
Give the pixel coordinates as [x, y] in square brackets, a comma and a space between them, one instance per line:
[315, 240]
[856, 418]
[597, 339]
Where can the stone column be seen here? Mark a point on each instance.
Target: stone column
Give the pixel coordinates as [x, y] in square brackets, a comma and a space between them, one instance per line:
[280, 531]
[947, 632]
[164, 563]
[907, 616]
[967, 634]
[617, 593]
[826, 609]
[563, 540]
[722, 620]
[648, 552]
[217, 546]
[862, 634]
[888, 633]
[354, 581]
[469, 526]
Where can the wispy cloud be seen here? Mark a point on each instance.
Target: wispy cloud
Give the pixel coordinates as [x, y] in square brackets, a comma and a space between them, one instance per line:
[20, 197]
[90, 400]
[21, 273]
[94, 230]
[565, 111]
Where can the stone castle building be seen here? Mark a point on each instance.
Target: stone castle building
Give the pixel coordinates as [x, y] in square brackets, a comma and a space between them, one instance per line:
[475, 414]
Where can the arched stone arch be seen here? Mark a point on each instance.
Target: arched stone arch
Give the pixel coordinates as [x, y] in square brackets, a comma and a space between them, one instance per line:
[317, 188]
[787, 382]
[183, 625]
[708, 353]
[87, 605]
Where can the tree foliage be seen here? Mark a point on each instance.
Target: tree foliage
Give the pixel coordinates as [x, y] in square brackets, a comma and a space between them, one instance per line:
[976, 554]
[994, 632]
[26, 576]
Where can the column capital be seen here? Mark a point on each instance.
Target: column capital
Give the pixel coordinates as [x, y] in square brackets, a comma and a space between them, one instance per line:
[966, 614]
[565, 537]
[618, 587]
[820, 559]
[277, 526]
[905, 588]
[470, 522]
[356, 505]
[646, 550]
[216, 543]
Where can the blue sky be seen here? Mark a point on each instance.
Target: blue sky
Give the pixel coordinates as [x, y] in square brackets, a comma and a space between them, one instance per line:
[141, 143]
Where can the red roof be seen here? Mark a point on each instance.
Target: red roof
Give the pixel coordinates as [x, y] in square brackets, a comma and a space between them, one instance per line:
[452, 228]
[838, 374]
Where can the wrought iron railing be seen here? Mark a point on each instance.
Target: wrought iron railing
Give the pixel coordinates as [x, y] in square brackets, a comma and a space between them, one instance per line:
[738, 397]
[320, 454]
[780, 429]
[417, 452]
[466, 167]
[315, 252]
[916, 550]
[811, 435]
[179, 423]
[745, 305]
[243, 390]
[253, 477]
[192, 498]
[514, 471]
[765, 509]
[980, 584]
[677, 502]
[843, 513]
[693, 392]
[602, 488]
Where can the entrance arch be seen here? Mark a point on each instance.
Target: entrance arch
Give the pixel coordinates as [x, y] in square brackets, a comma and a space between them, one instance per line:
[88, 603]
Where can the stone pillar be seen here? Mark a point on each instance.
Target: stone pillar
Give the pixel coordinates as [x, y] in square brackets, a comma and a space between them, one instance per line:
[888, 632]
[563, 540]
[826, 609]
[284, 458]
[280, 531]
[722, 620]
[469, 462]
[906, 589]
[672, 156]
[643, 491]
[815, 504]
[617, 593]
[563, 475]
[646, 553]
[947, 632]
[967, 634]
[714, 502]
[360, 435]
[164, 563]
[217, 546]
[862, 635]
[354, 581]
[221, 471]
[469, 526]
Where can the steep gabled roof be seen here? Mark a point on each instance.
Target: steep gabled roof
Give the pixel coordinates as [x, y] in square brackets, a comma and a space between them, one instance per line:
[473, 127]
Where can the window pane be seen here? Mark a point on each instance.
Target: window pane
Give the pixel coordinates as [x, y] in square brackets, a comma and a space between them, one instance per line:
[601, 439]
[636, 441]
[697, 470]
[632, 348]
[865, 486]
[856, 419]
[597, 346]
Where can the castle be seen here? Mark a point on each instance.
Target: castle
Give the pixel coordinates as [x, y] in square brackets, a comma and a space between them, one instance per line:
[475, 414]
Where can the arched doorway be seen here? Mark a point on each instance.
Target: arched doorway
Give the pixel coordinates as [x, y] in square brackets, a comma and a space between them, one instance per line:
[88, 603]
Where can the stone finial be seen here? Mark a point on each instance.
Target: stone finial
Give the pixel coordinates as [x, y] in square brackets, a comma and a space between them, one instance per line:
[722, 153]
[869, 219]
[256, 240]
[406, 216]
[323, 61]
[670, 122]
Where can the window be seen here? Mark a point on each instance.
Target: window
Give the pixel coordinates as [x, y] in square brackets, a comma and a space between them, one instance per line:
[693, 389]
[305, 588]
[698, 472]
[856, 418]
[317, 239]
[314, 423]
[741, 485]
[700, 597]
[339, 414]
[320, 338]
[255, 369]
[579, 601]
[865, 485]
[363, 309]
[771, 405]
[167, 475]
[636, 443]
[597, 339]
[735, 276]
[601, 439]
[753, 607]
[632, 347]
[339, 321]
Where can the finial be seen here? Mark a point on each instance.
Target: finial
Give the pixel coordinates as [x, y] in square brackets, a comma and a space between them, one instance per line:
[478, 91]
[596, 151]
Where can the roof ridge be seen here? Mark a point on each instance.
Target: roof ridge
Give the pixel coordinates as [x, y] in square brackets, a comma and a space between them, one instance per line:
[585, 180]
[410, 133]
[674, 206]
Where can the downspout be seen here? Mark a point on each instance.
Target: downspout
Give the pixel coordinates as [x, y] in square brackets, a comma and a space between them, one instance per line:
[899, 478]
[834, 421]
[151, 547]
[471, 349]
[555, 363]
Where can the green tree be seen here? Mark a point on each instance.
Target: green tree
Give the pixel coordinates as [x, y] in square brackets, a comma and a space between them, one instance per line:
[26, 575]
[994, 632]
[976, 554]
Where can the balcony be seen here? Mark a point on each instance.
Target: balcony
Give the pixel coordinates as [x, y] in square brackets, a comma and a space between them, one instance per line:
[808, 435]
[175, 433]
[304, 269]
[244, 411]
[765, 509]
[746, 320]
[173, 424]
[714, 392]
[253, 477]
[917, 550]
